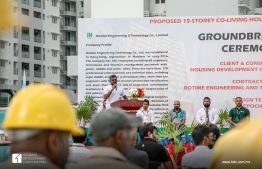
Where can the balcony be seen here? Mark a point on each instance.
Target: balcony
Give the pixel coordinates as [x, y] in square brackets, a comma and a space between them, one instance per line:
[146, 13]
[25, 54]
[63, 72]
[69, 28]
[81, 13]
[62, 57]
[25, 2]
[37, 4]
[244, 5]
[258, 11]
[25, 36]
[37, 39]
[37, 56]
[68, 12]
[37, 74]
[70, 43]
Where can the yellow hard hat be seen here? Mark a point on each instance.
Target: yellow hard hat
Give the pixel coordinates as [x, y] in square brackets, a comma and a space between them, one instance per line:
[41, 106]
[240, 148]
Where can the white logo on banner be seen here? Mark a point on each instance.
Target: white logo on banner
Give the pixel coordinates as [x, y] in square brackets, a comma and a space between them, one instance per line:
[16, 158]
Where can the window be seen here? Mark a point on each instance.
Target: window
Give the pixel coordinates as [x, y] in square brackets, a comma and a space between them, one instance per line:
[82, 3]
[54, 70]
[2, 81]
[54, 36]
[15, 31]
[54, 19]
[54, 3]
[37, 53]
[43, 71]
[43, 54]
[25, 51]
[37, 3]
[37, 35]
[15, 49]
[2, 44]
[43, 16]
[163, 1]
[157, 1]
[25, 33]
[43, 36]
[2, 63]
[54, 53]
[15, 68]
[25, 11]
[25, 66]
[37, 70]
[37, 15]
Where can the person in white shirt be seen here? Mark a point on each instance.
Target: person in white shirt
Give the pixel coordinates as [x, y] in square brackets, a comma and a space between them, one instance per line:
[207, 115]
[147, 115]
[78, 152]
[113, 92]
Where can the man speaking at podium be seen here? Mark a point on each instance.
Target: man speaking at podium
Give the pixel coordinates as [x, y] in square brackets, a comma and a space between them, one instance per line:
[113, 92]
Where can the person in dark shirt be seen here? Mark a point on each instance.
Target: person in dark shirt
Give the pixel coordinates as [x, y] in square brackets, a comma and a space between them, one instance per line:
[135, 156]
[155, 151]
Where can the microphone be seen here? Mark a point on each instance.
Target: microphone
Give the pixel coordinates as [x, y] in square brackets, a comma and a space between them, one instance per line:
[116, 87]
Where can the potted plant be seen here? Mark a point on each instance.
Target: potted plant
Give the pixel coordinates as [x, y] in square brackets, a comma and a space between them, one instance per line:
[167, 130]
[223, 118]
[85, 110]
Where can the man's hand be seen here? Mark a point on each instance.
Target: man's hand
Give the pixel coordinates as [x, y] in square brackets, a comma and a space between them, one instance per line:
[235, 124]
[114, 86]
[208, 124]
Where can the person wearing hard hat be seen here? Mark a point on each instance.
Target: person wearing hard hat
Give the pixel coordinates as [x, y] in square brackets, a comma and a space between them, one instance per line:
[240, 148]
[39, 121]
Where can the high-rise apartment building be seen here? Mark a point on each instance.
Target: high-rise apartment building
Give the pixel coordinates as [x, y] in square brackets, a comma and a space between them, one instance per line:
[32, 44]
[39, 42]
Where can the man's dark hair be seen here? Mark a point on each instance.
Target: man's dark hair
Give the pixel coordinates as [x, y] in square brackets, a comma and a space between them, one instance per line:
[80, 139]
[143, 130]
[112, 76]
[216, 133]
[239, 98]
[206, 98]
[199, 133]
[145, 100]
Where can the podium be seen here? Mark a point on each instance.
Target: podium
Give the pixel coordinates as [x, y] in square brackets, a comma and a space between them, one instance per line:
[130, 106]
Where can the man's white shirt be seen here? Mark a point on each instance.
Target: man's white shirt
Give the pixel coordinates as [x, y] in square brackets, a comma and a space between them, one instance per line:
[146, 115]
[115, 95]
[212, 113]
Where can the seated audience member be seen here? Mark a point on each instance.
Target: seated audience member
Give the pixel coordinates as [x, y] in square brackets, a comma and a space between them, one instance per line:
[78, 152]
[110, 131]
[147, 115]
[201, 156]
[135, 156]
[240, 148]
[155, 151]
[216, 133]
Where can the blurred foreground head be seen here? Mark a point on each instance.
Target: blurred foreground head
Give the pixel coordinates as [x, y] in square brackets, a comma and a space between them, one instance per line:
[113, 128]
[6, 13]
[240, 148]
[39, 120]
